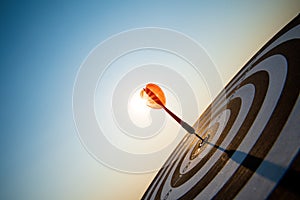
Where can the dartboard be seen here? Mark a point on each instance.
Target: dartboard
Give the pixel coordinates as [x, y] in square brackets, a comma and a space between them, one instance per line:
[252, 130]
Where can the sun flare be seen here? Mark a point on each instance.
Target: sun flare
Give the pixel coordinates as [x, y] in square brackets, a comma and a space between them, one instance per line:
[138, 110]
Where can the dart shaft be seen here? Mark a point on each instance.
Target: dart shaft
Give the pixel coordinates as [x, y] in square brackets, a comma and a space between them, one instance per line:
[184, 125]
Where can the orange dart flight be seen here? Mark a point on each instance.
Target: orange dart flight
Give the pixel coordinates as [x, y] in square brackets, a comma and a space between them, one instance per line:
[156, 99]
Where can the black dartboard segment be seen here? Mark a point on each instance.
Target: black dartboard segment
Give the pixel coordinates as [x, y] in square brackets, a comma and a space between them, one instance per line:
[254, 138]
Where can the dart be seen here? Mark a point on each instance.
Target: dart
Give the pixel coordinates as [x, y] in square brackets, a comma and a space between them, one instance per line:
[156, 99]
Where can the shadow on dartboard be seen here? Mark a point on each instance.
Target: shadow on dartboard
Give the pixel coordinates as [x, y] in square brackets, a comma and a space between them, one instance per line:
[253, 128]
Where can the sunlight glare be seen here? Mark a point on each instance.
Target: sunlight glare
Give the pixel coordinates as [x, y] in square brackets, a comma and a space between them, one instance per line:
[138, 110]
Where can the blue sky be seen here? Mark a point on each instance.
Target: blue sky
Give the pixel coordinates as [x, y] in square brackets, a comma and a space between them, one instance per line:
[43, 44]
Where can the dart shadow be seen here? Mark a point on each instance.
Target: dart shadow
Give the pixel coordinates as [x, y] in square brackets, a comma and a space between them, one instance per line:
[265, 168]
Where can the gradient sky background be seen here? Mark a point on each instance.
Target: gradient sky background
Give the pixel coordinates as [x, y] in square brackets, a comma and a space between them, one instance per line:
[43, 44]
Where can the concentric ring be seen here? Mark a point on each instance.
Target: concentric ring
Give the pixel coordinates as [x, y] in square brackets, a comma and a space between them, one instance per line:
[98, 101]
